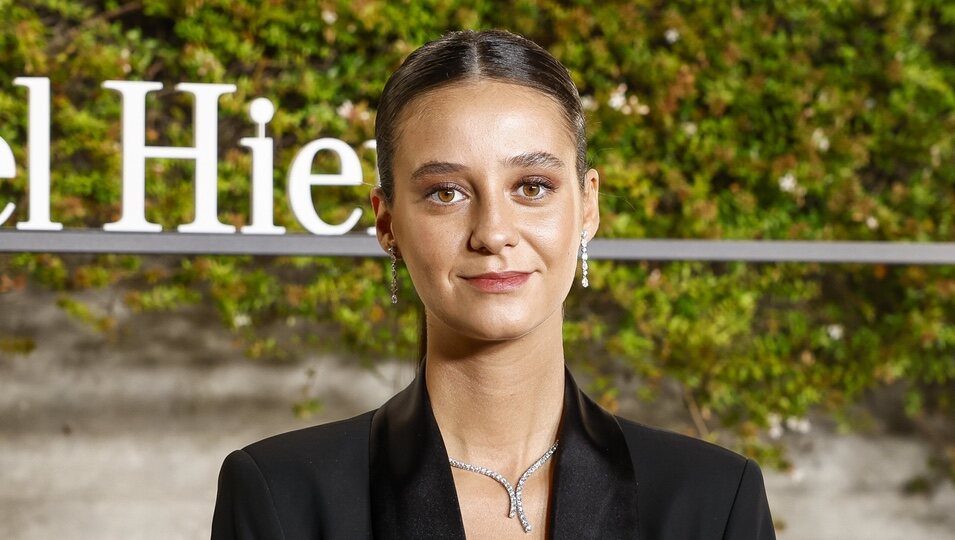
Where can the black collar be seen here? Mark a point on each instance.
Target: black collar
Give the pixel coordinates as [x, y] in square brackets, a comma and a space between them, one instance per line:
[594, 494]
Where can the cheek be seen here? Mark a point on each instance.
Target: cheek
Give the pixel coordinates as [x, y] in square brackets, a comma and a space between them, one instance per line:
[427, 246]
[556, 237]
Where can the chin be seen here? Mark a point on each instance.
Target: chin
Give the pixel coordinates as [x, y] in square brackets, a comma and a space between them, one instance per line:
[497, 326]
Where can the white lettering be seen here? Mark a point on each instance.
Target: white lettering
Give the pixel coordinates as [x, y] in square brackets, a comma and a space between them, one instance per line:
[8, 169]
[301, 180]
[38, 156]
[372, 144]
[135, 153]
[204, 152]
[133, 217]
[261, 111]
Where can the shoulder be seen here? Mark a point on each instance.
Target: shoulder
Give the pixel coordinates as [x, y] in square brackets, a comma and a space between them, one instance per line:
[311, 482]
[314, 457]
[667, 449]
[693, 487]
[321, 443]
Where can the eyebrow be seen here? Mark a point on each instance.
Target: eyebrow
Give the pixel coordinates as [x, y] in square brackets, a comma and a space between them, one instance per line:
[436, 168]
[527, 160]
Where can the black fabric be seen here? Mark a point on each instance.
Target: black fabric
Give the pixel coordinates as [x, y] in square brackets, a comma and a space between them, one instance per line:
[244, 507]
[386, 471]
[314, 481]
[688, 488]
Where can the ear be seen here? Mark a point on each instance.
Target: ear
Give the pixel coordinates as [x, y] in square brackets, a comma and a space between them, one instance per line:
[382, 211]
[591, 207]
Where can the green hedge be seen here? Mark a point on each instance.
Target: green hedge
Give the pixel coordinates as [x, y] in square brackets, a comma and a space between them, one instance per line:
[752, 120]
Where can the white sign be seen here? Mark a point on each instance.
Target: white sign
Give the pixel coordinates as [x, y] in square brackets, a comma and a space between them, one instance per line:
[204, 153]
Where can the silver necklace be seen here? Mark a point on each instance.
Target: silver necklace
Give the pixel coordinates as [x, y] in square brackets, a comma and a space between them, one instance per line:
[515, 494]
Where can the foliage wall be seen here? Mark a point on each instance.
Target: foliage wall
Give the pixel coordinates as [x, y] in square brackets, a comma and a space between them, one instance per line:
[735, 120]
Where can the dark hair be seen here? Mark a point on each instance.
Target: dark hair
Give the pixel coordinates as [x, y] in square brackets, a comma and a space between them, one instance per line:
[474, 55]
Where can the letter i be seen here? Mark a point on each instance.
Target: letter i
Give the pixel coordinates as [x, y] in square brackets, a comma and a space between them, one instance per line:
[261, 111]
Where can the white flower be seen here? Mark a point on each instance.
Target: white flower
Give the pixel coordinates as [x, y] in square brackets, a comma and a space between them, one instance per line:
[588, 103]
[618, 98]
[241, 319]
[820, 140]
[797, 475]
[787, 182]
[799, 425]
[872, 223]
[643, 109]
[835, 331]
[672, 35]
[689, 128]
[346, 109]
[329, 16]
[775, 426]
[869, 103]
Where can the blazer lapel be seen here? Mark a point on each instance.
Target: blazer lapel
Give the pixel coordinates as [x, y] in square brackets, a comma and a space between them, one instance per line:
[412, 490]
[413, 495]
[595, 490]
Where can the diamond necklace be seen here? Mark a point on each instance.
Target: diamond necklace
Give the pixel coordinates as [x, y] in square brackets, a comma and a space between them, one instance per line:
[515, 495]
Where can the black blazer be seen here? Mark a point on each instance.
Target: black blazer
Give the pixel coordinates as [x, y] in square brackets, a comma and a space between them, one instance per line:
[384, 474]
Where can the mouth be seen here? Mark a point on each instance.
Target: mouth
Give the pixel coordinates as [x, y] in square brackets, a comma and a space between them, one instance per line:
[498, 282]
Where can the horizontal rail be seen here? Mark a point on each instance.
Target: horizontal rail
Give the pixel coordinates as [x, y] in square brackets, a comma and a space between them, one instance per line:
[361, 245]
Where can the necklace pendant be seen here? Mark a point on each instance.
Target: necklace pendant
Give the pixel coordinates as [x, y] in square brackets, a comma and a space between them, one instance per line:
[515, 496]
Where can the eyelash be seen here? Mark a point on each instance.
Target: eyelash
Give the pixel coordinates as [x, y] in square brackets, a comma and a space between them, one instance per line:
[446, 186]
[539, 181]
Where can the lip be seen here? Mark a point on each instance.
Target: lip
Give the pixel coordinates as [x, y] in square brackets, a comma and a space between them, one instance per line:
[498, 282]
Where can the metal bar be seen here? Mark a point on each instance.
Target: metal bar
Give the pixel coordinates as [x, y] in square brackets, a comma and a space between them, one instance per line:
[361, 245]
[775, 251]
[80, 241]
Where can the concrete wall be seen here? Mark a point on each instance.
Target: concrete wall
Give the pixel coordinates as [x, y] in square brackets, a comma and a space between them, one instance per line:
[121, 434]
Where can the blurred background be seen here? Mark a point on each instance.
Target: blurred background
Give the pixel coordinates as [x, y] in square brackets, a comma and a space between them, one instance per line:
[125, 380]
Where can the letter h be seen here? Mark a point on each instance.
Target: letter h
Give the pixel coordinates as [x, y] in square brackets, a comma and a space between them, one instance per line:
[204, 152]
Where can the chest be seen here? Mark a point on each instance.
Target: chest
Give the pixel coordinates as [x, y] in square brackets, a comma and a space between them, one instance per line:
[485, 504]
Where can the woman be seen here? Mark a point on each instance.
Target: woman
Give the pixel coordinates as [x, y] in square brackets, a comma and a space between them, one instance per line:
[486, 197]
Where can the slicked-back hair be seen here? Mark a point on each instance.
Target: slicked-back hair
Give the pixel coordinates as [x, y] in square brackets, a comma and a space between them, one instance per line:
[471, 56]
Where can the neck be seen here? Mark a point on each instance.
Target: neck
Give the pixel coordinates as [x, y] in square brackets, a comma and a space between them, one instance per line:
[497, 404]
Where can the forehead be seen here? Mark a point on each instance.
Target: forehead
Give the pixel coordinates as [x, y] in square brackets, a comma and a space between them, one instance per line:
[481, 120]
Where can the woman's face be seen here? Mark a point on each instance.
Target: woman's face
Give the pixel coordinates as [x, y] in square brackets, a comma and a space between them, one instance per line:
[487, 210]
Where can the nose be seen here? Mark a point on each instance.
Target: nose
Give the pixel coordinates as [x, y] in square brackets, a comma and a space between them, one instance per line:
[494, 225]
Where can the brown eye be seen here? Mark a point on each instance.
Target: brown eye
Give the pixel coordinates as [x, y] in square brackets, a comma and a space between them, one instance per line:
[531, 190]
[445, 195]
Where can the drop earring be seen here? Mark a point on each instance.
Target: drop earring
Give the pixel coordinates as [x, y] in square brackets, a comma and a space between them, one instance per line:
[394, 274]
[583, 259]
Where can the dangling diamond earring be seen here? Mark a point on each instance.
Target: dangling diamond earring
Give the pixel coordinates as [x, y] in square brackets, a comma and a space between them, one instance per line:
[394, 274]
[583, 259]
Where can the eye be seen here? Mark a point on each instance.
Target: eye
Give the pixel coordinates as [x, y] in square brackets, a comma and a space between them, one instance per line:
[535, 188]
[445, 194]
